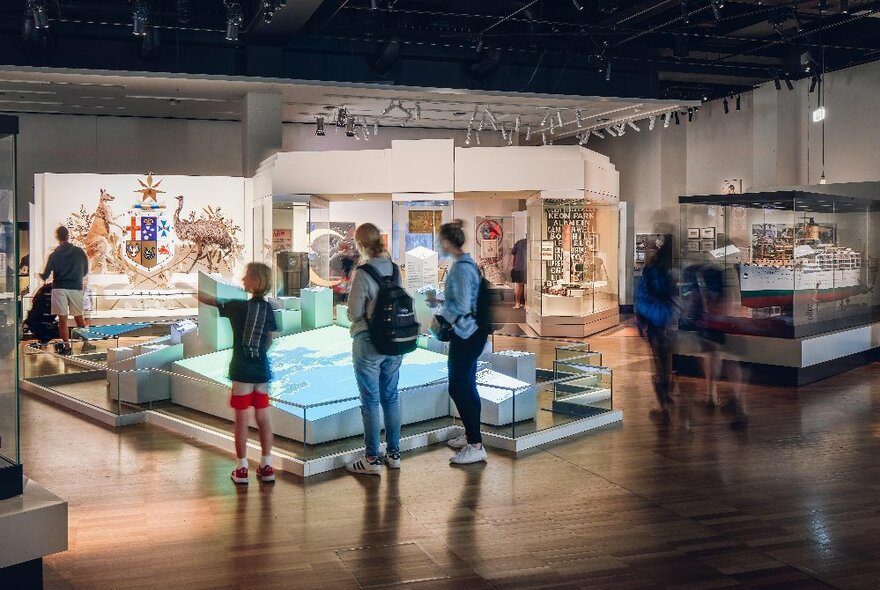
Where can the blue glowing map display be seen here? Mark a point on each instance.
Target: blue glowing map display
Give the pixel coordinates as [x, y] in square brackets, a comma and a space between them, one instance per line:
[314, 367]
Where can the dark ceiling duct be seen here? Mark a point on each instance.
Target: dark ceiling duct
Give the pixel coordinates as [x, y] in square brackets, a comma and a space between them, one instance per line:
[183, 9]
[487, 66]
[388, 57]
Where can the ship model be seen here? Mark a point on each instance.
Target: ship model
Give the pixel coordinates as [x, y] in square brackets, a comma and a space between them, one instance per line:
[798, 266]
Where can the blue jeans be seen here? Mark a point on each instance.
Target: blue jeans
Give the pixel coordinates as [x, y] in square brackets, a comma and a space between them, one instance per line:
[377, 376]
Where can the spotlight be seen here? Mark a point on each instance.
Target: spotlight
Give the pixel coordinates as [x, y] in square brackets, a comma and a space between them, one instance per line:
[685, 17]
[608, 71]
[375, 128]
[482, 122]
[844, 6]
[139, 16]
[559, 118]
[813, 83]
[543, 138]
[546, 116]
[621, 129]
[677, 119]
[349, 127]
[577, 118]
[492, 120]
[666, 117]
[528, 132]
[577, 5]
[690, 113]
[418, 111]
[477, 137]
[467, 138]
[364, 130]
[585, 138]
[510, 138]
[717, 5]
[374, 4]
[234, 20]
[726, 106]
[777, 83]
[319, 127]
[552, 127]
[737, 103]
[610, 131]
[38, 9]
[633, 125]
[503, 132]
[516, 125]
[789, 84]
[391, 106]
[651, 122]
[598, 134]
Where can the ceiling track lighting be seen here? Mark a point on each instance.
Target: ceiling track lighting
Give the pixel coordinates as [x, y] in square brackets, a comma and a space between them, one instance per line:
[598, 134]
[546, 117]
[717, 5]
[726, 105]
[492, 120]
[543, 138]
[528, 132]
[467, 138]
[418, 111]
[577, 119]
[738, 103]
[477, 137]
[391, 106]
[319, 127]
[559, 118]
[510, 138]
[234, 20]
[608, 71]
[516, 124]
[375, 128]
[552, 127]
[37, 8]
[585, 138]
[621, 130]
[685, 16]
[577, 5]
[651, 122]
[789, 84]
[690, 113]
[633, 126]
[814, 82]
[503, 132]
[610, 131]
[777, 83]
[677, 118]
[844, 6]
[349, 127]
[482, 122]
[139, 16]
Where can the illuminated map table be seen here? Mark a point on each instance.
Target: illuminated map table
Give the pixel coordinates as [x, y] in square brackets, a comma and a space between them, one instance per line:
[314, 371]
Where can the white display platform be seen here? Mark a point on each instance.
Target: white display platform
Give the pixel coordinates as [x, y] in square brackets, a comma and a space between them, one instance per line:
[32, 525]
[129, 376]
[501, 396]
[517, 364]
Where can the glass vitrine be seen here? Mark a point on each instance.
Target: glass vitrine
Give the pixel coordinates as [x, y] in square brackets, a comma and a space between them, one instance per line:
[415, 237]
[10, 456]
[793, 263]
[572, 267]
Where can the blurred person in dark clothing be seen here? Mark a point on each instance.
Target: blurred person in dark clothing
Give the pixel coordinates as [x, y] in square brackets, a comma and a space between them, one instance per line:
[655, 305]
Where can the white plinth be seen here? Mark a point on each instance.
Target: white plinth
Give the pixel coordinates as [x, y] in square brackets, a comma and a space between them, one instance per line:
[422, 265]
[517, 364]
[32, 526]
[499, 394]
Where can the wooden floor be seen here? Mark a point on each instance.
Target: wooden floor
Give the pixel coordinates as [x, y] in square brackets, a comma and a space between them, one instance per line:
[793, 501]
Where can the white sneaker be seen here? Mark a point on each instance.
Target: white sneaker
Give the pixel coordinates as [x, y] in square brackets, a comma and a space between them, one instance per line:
[459, 442]
[365, 466]
[393, 460]
[469, 454]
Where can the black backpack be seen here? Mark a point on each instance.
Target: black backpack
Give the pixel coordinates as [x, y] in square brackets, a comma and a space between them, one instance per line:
[393, 326]
[483, 314]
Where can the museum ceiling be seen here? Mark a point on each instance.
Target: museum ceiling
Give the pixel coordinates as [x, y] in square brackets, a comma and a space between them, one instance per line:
[675, 49]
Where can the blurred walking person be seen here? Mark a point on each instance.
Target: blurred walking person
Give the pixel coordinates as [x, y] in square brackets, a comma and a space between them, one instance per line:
[655, 306]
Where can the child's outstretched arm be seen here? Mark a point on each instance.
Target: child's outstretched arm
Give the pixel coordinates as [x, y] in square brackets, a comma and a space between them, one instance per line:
[207, 299]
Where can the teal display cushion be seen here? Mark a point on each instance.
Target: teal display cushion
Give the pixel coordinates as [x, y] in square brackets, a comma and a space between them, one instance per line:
[315, 367]
[110, 331]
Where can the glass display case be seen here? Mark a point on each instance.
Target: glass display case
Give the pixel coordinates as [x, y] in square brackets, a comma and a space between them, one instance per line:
[10, 458]
[493, 241]
[415, 237]
[572, 266]
[794, 263]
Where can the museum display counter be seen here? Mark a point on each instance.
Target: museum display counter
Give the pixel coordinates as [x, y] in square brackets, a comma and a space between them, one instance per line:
[797, 276]
[572, 266]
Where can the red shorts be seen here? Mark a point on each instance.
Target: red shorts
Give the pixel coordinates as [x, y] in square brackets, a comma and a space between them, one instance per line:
[245, 395]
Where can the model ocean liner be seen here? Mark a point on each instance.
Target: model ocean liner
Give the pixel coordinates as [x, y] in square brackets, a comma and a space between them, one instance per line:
[798, 267]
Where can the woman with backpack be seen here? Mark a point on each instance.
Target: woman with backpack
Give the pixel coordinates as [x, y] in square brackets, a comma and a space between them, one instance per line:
[466, 342]
[376, 373]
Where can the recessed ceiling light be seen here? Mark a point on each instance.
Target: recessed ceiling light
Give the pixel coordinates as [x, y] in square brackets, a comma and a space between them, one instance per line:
[459, 114]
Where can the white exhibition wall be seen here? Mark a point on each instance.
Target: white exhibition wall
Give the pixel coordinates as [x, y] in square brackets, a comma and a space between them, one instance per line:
[60, 198]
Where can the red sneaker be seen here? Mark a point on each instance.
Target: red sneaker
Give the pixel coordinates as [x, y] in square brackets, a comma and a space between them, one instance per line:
[240, 475]
[266, 473]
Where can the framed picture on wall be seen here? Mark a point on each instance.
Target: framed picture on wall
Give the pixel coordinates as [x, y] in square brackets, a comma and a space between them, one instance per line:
[693, 233]
[693, 245]
[707, 233]
[707, 245]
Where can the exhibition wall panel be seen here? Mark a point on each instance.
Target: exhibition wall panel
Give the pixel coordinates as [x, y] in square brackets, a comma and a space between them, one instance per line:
[145, 234]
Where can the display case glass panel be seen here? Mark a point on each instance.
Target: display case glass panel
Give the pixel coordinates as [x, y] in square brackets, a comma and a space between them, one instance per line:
[290, 247]
[493, 240]
[572, 268]
[9, 321]
[415, 234]
[793, 263]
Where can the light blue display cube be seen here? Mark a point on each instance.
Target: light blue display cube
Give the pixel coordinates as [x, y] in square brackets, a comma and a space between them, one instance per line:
[342, 316]
[215, 332]
[292, 303]
[317, 308]
[289, 321]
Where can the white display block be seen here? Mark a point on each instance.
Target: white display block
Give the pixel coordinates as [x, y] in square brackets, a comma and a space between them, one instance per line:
[517, 364]
[288, 321]
[498, 395]
[130, 380]
[422, 265]
[32, 525]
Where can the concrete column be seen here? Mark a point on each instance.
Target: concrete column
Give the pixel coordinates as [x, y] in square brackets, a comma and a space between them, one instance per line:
[260, 128]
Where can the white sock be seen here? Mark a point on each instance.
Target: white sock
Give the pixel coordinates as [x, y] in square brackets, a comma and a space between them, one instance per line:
[243, 463]
[266, 460]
